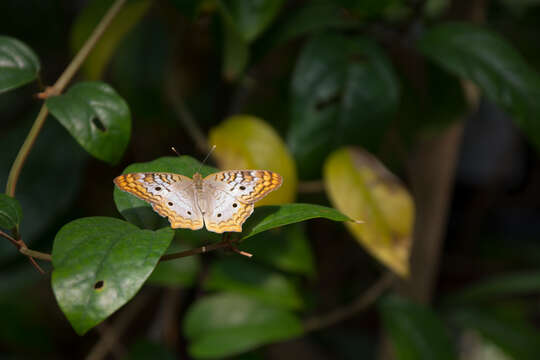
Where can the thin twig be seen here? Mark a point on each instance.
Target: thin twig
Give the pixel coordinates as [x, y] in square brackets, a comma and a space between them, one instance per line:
[10, 238]
[364, 301]
[56, 89]
[35, 254]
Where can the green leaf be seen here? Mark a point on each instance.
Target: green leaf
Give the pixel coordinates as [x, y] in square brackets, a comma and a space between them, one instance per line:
[10, 212]
[312, 17]
[515, 337]
[139, 212]
[244, 276]
[125, 20]
[286, 248]
[497, 287]
[96, 116]
[269, 217]
[480, 55]
[178, 272]
[250, 18]
[343, 91]
[99, 265]
[416, 331]
[235, 52]
[19, 64]
[228, 324]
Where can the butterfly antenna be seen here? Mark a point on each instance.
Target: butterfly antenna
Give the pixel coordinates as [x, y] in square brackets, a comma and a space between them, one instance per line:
[207, 156]
[177, 153]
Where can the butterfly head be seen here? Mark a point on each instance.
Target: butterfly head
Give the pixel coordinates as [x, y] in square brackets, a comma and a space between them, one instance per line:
[198, 179]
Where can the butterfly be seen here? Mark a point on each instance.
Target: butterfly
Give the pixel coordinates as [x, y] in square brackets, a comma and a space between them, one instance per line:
[221, 201]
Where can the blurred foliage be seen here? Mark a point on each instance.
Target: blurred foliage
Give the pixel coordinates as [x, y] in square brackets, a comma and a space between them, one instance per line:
[335, 96]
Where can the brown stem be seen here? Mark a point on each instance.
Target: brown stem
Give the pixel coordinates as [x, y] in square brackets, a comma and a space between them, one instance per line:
[57, 88]
[35, 254]
[10, 238]
[345, 312]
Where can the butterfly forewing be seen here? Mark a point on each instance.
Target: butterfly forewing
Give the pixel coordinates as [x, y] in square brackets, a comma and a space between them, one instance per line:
[247, 186]
[171, 195]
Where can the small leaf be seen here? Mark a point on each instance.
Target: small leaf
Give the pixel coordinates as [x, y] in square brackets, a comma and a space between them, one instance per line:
[515, 337]
[478, 54]
[228, 324]
[19, 64]
[96, 62]
[139, 212]
[250, 18]
[176, 273]
[99, 264]
[312, 17]
[286, 248]
[239, 275]
[96, 116]
[416, 332]
[360, 186]
[497, 287]
[10, 212]
[269, 217]
[247, 142]
[343, 91]
[235, 53]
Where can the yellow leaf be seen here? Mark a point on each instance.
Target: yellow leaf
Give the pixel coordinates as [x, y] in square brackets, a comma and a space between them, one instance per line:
[362, 188]
[247, 142]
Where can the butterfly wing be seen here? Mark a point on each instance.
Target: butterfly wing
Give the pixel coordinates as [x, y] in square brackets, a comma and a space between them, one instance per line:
[171, 196]
[228, 197]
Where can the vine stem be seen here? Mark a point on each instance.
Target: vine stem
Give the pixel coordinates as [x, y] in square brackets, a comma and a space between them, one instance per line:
[56, 89]
[365, 300]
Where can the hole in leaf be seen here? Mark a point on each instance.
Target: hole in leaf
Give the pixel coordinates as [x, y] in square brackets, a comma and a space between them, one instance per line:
[218, 215]
[189, 212]
[158, 188]
[97, 123]
[334, 99]
[170, 203]
[99, 285]
[242, 188]
[234, 205]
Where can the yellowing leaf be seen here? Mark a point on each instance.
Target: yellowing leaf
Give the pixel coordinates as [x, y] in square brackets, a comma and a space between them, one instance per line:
[127, 18]
[362, 188]
[247, 142]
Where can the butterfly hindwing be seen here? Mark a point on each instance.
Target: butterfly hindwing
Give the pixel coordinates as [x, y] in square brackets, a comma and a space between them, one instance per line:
[171, 196]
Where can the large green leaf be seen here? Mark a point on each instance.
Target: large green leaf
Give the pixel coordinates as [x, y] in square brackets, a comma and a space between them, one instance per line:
[243, 276]
[286, 248]
[343, 91]
[10, 212]
[139, 212]
[99, 265]
[497, 287]
[86, 22]
[96, 116]
[478, 54]
[250, 18]
[269, 217]
[416, 331]
[515, 337]
[19, 64]
[227, 324]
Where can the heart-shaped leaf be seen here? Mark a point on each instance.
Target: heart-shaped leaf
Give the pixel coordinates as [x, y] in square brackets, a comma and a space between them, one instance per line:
[343, 92]
[415, 330]
[247, 142]
[269, 217]
[243, 276]
[96, 116]
[99, 265]
[19, 64]
[10, 212]
[360, 186]
[139, 212]
[96, 62]
[227, 324]
[478, 54]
